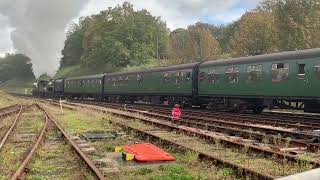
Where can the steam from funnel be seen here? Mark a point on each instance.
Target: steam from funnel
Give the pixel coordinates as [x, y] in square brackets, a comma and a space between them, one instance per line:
[39, 28]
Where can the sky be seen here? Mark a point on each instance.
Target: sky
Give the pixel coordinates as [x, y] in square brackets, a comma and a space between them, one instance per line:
[37, 27]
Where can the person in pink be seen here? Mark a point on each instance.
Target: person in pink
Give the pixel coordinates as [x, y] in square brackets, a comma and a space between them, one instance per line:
[176, 113]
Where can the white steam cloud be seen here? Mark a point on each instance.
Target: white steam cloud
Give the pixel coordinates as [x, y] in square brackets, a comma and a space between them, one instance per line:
[39, 28]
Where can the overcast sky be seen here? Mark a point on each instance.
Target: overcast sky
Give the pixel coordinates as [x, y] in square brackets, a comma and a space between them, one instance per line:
[177, 13]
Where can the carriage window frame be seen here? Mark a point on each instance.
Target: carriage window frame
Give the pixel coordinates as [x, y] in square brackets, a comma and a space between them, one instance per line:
[213, 75]
[281, 71]
[301, 71]
[188, 76]
[167, 77]
[254, 72]
[179, 77]
[114, 81]
[234, 73]
[140, 79]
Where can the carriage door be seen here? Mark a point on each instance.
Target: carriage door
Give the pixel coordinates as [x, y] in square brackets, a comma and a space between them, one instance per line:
[302, 79]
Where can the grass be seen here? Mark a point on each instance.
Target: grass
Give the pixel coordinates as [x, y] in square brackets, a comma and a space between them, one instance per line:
[15, 149]
[6, 100]
[17, 86]
[81, 122]
[55, 159]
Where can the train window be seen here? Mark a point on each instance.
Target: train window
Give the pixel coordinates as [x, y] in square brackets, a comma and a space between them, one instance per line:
[317, 70]
[280, 72]
[232, 74]
[140, 79]
[179, 77]
[107, 81]
[301, 71]
[254, 72]
[126, 80]
[114, 81]
[188, 76]
[120, 81]
[167, 77]
[213, 75]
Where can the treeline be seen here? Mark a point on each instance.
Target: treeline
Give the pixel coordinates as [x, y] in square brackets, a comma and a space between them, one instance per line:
[16, 66]
[121, 37]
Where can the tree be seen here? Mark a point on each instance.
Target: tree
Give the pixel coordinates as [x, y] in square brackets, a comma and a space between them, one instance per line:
[16, 66]
[223, 33]
[298, 23]
[73, 49]
[257, 35]
[194, 44]
[121, 36]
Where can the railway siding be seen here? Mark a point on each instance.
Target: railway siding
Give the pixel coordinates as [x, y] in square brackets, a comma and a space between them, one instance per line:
[292, 167]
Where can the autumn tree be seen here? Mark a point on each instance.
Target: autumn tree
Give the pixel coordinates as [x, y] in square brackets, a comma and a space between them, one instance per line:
[298, 23]
[223, 33]
[194, 44]
[257, 35]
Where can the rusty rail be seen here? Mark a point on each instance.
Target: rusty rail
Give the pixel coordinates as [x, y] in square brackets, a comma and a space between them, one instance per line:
[7, 111]
[87, 160]
[29, 156]
[4, 139]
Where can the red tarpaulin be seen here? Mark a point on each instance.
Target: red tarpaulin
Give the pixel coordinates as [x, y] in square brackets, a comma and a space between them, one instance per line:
[148, 152]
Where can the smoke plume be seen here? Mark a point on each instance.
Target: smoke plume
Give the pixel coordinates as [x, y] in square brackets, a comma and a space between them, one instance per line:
[39, 28]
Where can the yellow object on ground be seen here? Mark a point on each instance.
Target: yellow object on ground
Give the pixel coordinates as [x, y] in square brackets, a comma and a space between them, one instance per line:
[127, 156]
[118, 149]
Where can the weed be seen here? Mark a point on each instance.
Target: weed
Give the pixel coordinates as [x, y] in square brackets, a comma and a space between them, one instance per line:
[225, 172]
[37, 178]
[144, 171]
[172, 168]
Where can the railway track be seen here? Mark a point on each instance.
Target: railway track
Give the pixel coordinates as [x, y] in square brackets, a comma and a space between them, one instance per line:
[209, 136]
[7, 111]
[278, 137]
[28, 129]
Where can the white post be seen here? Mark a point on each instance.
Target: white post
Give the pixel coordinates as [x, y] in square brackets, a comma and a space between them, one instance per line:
[61, 105]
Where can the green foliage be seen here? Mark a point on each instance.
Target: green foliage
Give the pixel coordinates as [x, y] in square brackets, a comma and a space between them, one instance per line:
[174, 168]
[226, 172]
[257, 35]
[298, 23]
[15, 66]
[174, 172]
[114, 39]
[144, 171]
[73, 45]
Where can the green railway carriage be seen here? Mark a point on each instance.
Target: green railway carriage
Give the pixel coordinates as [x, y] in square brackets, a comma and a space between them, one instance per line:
[172, 84]
[280, 79]
[85, 86]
